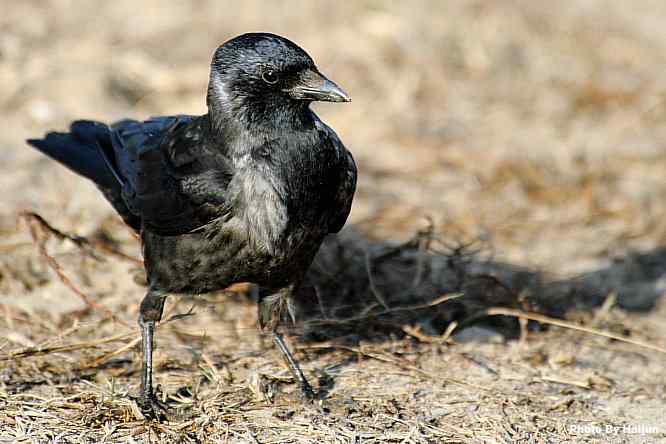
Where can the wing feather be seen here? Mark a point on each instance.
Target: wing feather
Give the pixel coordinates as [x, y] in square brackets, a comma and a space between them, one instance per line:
[174, 181]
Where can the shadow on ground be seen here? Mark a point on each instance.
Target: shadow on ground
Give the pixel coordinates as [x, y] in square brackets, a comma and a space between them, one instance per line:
[368, 291]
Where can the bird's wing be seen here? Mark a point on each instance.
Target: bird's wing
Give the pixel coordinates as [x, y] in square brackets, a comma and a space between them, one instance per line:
[174, 179]
[345, 193]
[347, 182]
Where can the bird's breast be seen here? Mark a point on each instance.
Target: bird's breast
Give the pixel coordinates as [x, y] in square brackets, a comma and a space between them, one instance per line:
[261, 210]
[283, 199]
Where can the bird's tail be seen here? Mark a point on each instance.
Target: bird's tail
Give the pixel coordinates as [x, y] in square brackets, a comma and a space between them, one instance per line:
[82, 150]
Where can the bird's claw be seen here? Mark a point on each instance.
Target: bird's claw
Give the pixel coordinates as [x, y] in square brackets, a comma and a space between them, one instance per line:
[307, 394]
[152, 408]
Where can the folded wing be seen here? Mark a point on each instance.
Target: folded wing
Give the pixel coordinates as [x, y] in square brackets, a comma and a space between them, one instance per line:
[162, 174]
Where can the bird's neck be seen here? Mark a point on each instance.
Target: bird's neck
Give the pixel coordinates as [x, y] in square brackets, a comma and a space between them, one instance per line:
[233, 113]
[259, 119]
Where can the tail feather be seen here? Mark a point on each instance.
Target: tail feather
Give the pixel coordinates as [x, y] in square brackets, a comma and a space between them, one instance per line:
[81, 151]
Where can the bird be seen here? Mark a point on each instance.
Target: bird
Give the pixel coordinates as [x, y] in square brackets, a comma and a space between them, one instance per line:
[246, 192]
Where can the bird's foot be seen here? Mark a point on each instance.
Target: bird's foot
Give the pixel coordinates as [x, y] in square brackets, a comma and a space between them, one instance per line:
[307, 394]
[313, 400]
[152, 408]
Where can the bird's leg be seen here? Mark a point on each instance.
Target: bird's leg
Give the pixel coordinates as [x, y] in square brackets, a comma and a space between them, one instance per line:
[150, 312]
[271, 309]
[306, 389]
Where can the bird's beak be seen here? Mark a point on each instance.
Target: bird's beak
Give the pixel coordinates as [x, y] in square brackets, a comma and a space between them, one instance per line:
[313, 86]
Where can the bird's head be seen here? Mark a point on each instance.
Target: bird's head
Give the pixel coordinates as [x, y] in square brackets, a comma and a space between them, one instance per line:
[257, 76]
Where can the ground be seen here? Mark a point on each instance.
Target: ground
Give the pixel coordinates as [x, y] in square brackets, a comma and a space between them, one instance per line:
[520, 145]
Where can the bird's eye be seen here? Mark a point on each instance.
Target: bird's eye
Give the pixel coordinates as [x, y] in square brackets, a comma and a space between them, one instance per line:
[270, 77]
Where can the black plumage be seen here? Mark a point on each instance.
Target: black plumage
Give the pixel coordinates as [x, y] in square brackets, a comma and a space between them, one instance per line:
[244, 193]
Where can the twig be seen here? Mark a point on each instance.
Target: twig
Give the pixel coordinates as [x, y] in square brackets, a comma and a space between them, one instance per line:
[499, 311]
[105, 357]
[449, 331]
[602, 312]
[371, 280]
[39, 351]
[81, 242]
[423, 239]
[85, 244]
[104, 246]
[35, 223]
[557, 380]
[415, 332]
[438, 300]
[396, 362]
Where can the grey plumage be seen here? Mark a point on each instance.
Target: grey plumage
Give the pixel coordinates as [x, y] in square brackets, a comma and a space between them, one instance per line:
[244, 193]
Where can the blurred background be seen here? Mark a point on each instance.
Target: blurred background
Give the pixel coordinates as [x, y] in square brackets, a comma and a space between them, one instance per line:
[537, 127]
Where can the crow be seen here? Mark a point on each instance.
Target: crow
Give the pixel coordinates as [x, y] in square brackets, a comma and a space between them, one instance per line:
[244, 193]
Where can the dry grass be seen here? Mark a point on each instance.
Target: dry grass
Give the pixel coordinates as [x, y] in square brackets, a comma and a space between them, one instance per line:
[523, 141]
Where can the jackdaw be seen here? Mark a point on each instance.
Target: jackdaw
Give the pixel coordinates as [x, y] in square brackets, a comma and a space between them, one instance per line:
[244, 193]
